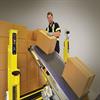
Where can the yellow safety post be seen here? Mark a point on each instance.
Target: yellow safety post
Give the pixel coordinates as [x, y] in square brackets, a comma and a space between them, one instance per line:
[13, 71]
[66, 47]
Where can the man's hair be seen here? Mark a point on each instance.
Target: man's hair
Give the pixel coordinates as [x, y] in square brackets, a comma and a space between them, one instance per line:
[50, 13]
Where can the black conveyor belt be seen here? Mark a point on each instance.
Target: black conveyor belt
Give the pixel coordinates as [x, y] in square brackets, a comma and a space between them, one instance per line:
[55, 66]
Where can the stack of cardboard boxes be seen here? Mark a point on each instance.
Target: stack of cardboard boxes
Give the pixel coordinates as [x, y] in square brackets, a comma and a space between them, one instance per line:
[30, 72]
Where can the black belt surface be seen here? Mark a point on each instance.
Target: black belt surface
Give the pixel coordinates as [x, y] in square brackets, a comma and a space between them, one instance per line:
[55, 66]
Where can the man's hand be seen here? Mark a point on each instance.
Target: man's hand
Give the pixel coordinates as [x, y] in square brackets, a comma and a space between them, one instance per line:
[56, 34]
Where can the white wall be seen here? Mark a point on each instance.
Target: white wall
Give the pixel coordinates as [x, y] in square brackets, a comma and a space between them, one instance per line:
[80, 17]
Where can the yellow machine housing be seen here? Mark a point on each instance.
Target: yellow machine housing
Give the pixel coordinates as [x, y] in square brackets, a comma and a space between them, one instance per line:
[66, 47]
[13, 71]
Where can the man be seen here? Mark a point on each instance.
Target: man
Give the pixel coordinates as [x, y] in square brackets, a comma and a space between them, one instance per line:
[53, 29]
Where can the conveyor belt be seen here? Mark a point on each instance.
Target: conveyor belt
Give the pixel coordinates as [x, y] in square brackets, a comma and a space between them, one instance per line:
[55, 66]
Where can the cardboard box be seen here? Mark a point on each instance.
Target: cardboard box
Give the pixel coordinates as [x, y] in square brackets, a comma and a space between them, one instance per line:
[3, 84]
[32, 68]
[30, 41]
[3, 61]
[33, 75]
[23, 87]
[4, 28]
[30, 79]
[3, 44]
[22, 46]
[30, 35]
[45, 42]
[34, 34]
[78, 76]
[22, 31]
[22, 34]
[22, 65]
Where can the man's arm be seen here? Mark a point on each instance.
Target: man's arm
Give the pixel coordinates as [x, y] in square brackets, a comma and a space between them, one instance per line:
[57, 30]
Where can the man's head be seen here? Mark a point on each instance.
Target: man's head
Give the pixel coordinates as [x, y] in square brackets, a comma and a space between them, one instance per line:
[50, 17]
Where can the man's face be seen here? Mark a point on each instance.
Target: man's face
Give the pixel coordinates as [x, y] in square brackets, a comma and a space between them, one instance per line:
[50, 18]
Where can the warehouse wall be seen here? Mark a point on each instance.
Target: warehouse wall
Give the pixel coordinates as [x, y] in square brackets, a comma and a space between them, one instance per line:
[80, 17]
